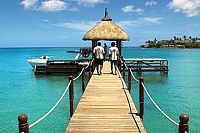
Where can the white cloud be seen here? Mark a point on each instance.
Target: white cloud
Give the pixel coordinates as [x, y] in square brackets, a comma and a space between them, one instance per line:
[128, 23]
[130, 8]
[28, 3]
[190, 7]
[53, 5]
[47, 5]
[89, 2]
[87, 25]
[45, 20]
[150, 3]
[81, 26]
[152, 20]
[140, 22]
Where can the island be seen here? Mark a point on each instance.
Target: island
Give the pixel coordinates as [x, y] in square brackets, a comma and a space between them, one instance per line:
[176, 42]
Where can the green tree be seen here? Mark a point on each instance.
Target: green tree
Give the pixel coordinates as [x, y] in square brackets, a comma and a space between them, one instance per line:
[184, 37]
[175, 38]
[148, 42]
[155, 40]
[193, 40]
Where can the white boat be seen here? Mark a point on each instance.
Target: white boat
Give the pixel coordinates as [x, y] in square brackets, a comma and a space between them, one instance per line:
[42, 61]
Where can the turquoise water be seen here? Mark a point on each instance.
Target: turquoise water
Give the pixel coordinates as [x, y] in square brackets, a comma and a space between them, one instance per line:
[175, 93]
[22, 92]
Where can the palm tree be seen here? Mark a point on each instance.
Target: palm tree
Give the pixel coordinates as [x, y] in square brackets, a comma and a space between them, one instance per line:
[148, 41]
[190, 37]
[184, 37]
[175, 38]
[155, 40]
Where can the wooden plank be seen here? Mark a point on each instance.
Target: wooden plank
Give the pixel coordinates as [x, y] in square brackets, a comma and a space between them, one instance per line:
[104, 107]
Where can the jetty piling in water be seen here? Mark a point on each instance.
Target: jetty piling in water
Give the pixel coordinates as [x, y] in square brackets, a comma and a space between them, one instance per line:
[183, 124]
[71, 95]
[23, 123]
[83, 79]
[129, 80]
[141, 97]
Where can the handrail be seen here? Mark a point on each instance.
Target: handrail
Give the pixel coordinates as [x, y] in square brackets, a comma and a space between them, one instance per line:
[151, 97]
[83, 69]
[120, 76]
[129, 70]
[44, 116]
[79, 74]
[158, 106]
[133, 76]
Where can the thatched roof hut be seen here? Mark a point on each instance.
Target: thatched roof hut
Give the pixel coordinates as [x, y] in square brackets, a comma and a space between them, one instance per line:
[106, 30]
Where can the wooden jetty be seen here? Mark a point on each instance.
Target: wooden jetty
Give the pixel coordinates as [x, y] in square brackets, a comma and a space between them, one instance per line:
[147, 64]
[106, 106]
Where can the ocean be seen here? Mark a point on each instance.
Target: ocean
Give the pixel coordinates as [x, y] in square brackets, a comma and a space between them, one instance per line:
[22, 92]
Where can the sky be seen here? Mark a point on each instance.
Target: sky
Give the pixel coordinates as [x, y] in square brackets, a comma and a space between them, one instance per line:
[63, 23]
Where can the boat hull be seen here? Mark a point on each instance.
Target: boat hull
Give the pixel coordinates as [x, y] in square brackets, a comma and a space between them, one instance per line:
[37, 62]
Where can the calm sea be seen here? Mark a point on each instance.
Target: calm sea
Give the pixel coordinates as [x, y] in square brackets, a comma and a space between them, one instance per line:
[23, 92]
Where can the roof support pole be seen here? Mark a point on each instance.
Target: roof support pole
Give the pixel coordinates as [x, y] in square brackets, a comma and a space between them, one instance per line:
[118, 42]
[119, 46]
[94, 44]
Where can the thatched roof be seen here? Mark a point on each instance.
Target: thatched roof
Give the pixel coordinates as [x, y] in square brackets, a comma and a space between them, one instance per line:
[106, 30]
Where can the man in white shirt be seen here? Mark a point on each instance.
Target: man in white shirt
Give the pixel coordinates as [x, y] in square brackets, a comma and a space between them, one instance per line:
[113, 56]
[99, 57]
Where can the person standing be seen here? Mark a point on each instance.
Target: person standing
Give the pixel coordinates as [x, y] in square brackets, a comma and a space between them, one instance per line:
[99, 57]
[105, 50]
[113, 57]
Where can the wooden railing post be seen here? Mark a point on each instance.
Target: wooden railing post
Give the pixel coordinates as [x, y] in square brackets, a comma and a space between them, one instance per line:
[141, 97]
[119, 64]
[90, 70]
[23, 124]
[183, 124]
[83, 79]
[93, 65]
[71, 96]
[123, 67]
[129, 80]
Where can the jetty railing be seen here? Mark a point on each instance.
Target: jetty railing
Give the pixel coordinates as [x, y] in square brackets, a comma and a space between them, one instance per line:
[183, 126]
[23, 118]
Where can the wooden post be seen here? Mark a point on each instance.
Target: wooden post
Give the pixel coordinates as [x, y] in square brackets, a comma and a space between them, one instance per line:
[141, 97]
[129, 80]
[118, 42]
[94, 44]
[90, 70]
[119, 45]
[23, 124]
[183, 124]
[71, 96]
[123, 67]
[83, 79]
